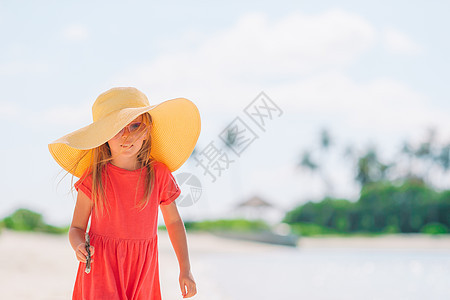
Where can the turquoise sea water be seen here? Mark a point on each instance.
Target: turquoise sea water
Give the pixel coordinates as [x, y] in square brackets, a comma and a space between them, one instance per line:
[332, 274]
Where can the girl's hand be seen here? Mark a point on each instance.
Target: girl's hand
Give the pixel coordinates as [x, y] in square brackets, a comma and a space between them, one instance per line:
[82, 253]
[187, 282]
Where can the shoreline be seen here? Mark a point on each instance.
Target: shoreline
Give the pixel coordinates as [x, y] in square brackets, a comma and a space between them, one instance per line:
[44, 264]
[401, 240]
[389, 241]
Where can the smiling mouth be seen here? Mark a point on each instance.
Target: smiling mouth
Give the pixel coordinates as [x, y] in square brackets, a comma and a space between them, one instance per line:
[126, 146]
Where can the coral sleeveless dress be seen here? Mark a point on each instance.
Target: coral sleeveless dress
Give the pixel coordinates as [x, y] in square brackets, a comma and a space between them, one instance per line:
[125, 262]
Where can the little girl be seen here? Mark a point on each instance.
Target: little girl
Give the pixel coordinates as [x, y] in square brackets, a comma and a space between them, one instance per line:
[124, 160]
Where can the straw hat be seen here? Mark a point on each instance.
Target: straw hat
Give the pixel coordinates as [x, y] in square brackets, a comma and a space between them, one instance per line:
[176, 128]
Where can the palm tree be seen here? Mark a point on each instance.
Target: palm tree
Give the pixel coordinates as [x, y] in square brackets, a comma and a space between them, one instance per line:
[425, 152]
[307, 162]
[428, 152]
[443, 158]
[408, 150]
[230, 142]
[325, 143]
[370, 169]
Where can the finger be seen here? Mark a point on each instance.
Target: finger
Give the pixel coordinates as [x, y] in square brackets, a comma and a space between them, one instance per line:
[183, 289]
[82, 250]
[81, 257]
[190, 291]
[91, 248]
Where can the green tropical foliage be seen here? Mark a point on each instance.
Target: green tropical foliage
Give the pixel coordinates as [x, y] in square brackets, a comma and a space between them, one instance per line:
[225, 224]
[27, 220]
[395, 197]
[382, 207]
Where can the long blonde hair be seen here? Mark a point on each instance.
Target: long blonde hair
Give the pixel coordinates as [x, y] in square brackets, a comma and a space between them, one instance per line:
[101, 156]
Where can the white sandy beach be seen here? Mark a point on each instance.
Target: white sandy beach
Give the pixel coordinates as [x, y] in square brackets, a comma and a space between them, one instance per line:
[42, 266]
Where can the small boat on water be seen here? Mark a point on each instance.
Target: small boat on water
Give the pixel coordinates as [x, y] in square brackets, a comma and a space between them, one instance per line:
[254, 209]
[261, 236]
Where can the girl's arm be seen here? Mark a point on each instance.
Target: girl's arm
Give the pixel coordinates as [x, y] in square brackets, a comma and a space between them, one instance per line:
[78, 227]
[177, 235]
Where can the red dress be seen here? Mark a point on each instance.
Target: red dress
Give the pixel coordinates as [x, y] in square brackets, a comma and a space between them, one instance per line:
[125, 262]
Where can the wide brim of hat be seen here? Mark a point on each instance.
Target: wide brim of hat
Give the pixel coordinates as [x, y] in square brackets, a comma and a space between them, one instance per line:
[175, 131]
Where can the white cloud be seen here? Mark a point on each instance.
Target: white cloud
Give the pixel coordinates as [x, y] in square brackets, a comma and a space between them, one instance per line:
[75, 33]
[382, 106]
[397, 42]
[296, 45]
[297, 60]
[253, 51]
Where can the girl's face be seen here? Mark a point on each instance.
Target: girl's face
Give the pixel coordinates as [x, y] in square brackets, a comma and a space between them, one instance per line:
[128, 142]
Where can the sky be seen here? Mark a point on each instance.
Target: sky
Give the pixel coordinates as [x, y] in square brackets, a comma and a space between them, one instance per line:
[371, 73]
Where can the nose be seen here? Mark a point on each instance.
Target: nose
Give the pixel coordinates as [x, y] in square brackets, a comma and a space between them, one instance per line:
[125, 132]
